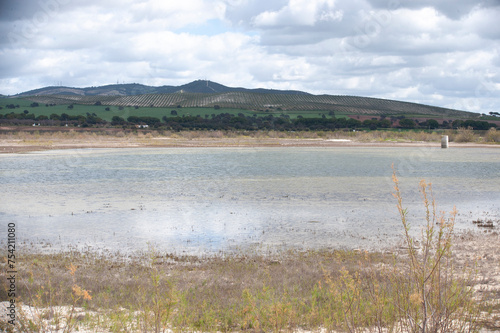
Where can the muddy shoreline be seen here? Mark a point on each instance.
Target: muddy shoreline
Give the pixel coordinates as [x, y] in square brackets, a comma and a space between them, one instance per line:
[24, 139]
[25, 146]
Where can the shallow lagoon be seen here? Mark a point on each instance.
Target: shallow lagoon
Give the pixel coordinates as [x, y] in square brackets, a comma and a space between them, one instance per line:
[206, 200]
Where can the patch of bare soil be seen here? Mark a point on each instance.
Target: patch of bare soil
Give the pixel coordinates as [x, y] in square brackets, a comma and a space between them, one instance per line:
[483, 247]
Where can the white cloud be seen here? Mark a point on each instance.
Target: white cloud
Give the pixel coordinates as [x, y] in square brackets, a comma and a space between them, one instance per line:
[484, 22]
[300, 12]
[177, 14]
[387, 61]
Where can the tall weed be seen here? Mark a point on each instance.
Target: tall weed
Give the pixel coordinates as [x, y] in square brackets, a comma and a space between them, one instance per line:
[267, 310]
[432, 294]
[423, 292]
[156, 299]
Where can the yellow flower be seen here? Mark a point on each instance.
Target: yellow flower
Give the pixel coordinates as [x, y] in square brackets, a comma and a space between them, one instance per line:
[81, 292]
[72, 269]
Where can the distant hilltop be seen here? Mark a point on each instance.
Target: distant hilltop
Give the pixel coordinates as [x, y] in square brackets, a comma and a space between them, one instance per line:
[131, 89]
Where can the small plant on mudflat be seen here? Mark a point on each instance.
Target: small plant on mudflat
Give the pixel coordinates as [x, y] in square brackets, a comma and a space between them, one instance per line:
[422, 291]
[432, 294]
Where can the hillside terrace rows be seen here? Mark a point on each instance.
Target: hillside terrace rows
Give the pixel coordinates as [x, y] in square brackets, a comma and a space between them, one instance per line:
[252, 101]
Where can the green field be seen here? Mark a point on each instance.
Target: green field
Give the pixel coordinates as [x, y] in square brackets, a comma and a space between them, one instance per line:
[158, 112]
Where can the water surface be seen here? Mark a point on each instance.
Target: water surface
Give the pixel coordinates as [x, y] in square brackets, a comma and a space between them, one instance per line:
[205, 200]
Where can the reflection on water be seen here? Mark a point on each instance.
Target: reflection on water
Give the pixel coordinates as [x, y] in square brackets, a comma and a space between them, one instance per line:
[212, 199]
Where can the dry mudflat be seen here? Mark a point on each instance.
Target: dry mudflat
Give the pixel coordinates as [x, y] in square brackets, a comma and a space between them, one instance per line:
[484, 249]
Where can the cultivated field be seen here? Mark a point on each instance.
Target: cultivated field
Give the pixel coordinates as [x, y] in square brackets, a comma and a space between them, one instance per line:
[261, 101]
[158, 112]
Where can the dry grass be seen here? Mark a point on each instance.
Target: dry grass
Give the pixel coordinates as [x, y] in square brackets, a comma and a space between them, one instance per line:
[208, 294]
[15, 141]
[349, 291]
[404, 136]
[465, 135]
[493, 135]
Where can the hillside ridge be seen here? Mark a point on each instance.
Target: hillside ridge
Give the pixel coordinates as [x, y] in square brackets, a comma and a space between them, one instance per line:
[131, 89]
[204, 93]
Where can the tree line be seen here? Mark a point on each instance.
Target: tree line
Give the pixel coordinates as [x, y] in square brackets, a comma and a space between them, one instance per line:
[227, 121]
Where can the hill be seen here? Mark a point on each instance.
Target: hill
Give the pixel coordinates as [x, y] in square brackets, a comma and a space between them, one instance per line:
[198, 86]
[210, 94]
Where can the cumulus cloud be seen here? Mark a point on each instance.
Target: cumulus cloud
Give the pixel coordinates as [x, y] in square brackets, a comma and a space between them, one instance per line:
[300, 12]
[442, 53]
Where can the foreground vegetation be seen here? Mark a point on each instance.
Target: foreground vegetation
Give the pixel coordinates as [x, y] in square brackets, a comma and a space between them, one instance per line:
[419, 289]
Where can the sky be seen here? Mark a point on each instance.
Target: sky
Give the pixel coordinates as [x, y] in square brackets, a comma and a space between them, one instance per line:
[438, 52]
